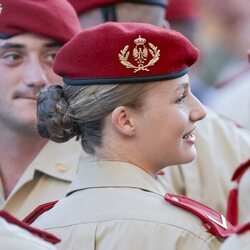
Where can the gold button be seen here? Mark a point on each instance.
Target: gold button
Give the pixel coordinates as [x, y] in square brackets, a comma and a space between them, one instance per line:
[61, 167]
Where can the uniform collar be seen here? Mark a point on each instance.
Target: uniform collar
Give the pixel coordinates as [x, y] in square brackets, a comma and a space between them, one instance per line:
[59, 161]
[101, 174]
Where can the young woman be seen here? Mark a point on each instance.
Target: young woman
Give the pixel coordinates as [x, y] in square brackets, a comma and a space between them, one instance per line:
[127, 98]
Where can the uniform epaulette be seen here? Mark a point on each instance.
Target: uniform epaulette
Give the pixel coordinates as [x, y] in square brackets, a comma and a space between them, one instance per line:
[213, 222]
[30, 218]
[36, 232]
[232, 204]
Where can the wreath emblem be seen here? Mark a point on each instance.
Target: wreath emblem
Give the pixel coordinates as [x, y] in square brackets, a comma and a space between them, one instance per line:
[140, 54]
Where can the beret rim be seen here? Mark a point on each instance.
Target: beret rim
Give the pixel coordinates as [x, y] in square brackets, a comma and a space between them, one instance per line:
[5, 35]
[161, 3]
[124, 80]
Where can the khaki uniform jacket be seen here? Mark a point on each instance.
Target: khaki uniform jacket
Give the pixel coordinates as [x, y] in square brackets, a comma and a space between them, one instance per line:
[244, 198]
[118, 206]
[221, 148]
[47, 178]
[15, 238]
[233, 100]
[237, 242]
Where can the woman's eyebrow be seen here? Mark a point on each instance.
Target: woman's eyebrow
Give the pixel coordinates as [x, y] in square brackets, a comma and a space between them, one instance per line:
[184, 85]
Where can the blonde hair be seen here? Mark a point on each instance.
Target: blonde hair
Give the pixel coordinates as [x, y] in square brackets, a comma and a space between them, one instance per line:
[69, 111]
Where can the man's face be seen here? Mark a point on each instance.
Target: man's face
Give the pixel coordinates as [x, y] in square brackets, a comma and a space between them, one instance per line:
[25, 67]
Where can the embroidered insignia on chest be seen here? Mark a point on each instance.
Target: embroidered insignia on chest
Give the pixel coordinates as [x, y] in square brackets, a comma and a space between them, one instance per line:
[1, 8]
[140, 54]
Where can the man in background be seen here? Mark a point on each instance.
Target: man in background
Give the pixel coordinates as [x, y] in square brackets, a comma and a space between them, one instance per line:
[32, 170]
[92, 13]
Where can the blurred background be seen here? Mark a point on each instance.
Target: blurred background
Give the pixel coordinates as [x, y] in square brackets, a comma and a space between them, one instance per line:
[221, 30]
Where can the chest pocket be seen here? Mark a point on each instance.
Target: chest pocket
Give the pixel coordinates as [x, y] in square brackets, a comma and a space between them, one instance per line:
[85, 236]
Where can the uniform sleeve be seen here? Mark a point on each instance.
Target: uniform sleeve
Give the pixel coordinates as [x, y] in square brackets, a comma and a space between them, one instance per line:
[13, 237]
[237, 242]
[244, 198]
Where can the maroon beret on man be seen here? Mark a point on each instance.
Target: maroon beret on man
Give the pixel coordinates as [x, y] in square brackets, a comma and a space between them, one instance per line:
[82, 6]
[179, 10]
[54, 19]
[124, 53]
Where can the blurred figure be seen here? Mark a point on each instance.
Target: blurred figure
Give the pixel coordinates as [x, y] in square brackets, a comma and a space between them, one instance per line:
[232, 99]
[32, 170]
[185, 16]
[95, 12]
[239, 210]
[228, 56]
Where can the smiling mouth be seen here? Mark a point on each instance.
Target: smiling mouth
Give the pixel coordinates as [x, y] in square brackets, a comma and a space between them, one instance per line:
[26, 98]
[190, 135]
[30, 98]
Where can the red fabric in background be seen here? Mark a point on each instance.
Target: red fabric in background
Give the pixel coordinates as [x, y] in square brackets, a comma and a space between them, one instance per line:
[55, 19]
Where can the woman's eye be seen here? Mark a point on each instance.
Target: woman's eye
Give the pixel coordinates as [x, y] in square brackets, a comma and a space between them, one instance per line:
[180, 100]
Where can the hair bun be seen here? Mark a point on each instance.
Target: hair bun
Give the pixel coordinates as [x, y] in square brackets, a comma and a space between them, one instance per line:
[54, 119]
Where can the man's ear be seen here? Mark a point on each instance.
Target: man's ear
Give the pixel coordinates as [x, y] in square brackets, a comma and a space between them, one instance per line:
[122, 120]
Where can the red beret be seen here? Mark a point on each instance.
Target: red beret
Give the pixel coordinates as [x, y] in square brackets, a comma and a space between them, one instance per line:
[178, 10]
[82, 6]
[54, 19]
[124, 53]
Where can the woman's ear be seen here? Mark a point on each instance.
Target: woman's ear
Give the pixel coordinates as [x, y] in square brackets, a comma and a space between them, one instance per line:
[122, 120]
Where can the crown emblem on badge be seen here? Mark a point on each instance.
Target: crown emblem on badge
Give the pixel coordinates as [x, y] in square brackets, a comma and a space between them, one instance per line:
[139, 41]
[140, 54]
[1, 8]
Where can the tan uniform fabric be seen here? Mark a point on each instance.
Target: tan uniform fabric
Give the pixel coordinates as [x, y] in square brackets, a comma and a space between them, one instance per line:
[244, 198]
[14, 238]
[46, 179]
[117, 206]
[221, 148]
[241, 241]
[233, 100]
[237, 242]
